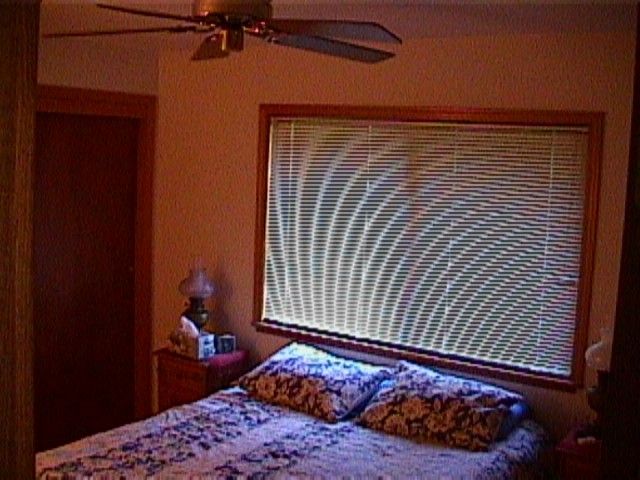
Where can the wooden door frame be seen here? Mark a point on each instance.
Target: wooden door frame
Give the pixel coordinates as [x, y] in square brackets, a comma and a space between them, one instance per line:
[76, 101]
[18, 73]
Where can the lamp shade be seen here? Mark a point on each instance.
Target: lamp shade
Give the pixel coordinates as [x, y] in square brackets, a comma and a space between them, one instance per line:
[197, 284]
[598, 355]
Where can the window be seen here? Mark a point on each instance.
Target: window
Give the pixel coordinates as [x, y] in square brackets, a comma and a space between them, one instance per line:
[465, 238]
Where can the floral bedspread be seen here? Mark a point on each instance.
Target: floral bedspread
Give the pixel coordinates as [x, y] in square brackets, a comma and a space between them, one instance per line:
[229, 435]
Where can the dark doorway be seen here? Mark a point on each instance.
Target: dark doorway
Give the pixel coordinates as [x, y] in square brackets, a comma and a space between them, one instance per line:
[91, 261]
[84, 239]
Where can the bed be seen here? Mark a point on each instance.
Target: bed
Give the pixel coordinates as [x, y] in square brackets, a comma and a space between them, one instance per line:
[233, 434]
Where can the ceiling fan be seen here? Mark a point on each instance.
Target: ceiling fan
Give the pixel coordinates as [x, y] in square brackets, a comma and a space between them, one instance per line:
[225, 22]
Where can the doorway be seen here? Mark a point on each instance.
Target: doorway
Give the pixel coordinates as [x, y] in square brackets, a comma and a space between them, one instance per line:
[91, 262]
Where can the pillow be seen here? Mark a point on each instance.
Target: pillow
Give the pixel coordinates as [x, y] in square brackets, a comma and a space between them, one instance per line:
[313, 381]
[479, 392]
[518, 412]
[427, 405]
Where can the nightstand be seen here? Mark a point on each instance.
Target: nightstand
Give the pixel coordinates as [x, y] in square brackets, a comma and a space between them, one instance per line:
[183, 380]
[578, 461]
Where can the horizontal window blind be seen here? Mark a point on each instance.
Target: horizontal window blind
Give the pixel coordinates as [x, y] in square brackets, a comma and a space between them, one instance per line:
[459, 239]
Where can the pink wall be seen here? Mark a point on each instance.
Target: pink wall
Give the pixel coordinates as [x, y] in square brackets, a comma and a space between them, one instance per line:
[207, 144]
[122, 63]
[96, 65]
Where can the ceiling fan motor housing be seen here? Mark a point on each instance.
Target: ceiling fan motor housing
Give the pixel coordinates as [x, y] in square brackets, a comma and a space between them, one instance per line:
[234, 10]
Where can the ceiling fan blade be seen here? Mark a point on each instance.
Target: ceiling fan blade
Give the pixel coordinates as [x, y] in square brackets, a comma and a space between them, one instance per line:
[148, 13]
[335, 28]
[210, 48]
[331, 47]
[121, 31]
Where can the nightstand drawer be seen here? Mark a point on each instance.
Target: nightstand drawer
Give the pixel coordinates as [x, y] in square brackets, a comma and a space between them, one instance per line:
[181, 377]
[172, 397]
[578, 469]
[576, 461]
[183, 380]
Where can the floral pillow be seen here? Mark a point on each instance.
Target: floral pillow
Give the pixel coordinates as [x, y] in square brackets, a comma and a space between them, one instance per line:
[313, 381]
[427, 405]
[479, 392]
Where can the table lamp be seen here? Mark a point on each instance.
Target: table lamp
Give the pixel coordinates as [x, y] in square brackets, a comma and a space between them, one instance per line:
[598, 357]
[197, 287]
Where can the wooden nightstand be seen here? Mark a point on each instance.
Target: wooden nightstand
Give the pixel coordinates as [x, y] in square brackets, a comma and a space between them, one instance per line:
[578, 461]
[183, 380]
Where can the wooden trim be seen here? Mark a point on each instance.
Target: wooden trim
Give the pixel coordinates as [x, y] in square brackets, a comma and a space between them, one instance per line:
[262, 189]
[592, 120]
[451, 363]
[589, 231]
[53, 99]
[78, 101]
[435, 114]
[18, 72]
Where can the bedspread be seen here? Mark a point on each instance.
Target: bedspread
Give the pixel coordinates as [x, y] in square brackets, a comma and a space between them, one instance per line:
[230, 435]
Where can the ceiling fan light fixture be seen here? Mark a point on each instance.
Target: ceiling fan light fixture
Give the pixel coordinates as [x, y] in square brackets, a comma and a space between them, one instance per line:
[211, 47]
[231, 39]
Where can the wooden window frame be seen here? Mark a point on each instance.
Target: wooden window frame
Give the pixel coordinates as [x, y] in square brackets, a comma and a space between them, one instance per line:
[594, 121]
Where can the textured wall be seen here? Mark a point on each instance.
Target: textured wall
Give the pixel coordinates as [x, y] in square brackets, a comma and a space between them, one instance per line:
[92, 64]
[123, 63]
[207, 144]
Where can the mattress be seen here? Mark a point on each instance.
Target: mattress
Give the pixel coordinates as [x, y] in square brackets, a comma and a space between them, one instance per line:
[231, 435]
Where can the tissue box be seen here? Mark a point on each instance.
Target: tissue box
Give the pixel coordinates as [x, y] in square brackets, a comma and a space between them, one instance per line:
[200, 347]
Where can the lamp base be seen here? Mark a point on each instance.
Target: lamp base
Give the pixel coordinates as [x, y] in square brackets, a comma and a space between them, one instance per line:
[196, 312]
[595, 399]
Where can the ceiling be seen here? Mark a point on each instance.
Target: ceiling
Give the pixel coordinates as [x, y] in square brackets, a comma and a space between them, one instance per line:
[410, 19]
